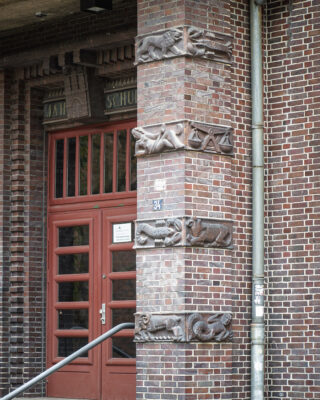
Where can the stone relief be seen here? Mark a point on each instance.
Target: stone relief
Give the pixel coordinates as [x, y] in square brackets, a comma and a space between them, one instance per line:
[214, 328]
[159, 46]
[208, 44]
[159, 233]
[187, 41]
[151, 328]
[188, 135]
[184, 231]
[155, 142]
[210, 138]
[208, 233]
[183, 327]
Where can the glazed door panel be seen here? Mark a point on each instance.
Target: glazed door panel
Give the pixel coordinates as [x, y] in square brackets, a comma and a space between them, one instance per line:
[119, 296]
[91, 287]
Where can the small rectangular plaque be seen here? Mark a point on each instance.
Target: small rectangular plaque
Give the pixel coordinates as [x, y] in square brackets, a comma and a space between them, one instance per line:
[122, 233]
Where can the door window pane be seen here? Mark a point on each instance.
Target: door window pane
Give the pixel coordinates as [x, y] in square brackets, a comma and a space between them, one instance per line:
[95, 164]
[71, 166]
[108, 162]
[83, 168]
[68, 345]
[73, 319]
[121, 160]
[74, 263]
[73, 291]
[74, 235]
[124, 289]
[120, 315]
[123, 347]
[123, 261]
[59, 168]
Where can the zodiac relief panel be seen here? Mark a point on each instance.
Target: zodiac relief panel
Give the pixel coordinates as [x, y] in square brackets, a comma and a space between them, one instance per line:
[188, 135]
[183, 41]
[183, 327]
[195, 232]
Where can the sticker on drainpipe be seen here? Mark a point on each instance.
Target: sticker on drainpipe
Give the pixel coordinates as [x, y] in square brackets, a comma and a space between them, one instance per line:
[259, 311]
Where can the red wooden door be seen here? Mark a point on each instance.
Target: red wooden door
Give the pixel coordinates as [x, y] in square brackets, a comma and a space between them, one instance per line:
[91, 264]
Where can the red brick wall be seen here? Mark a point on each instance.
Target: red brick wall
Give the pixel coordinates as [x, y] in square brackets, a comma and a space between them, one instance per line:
[293, 201]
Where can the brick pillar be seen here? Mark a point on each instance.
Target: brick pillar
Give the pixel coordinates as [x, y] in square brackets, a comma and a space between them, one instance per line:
[5, 79]
[184, 224]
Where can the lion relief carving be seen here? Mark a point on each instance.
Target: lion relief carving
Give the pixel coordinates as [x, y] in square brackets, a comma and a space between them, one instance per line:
[208, 234]
[156, 47]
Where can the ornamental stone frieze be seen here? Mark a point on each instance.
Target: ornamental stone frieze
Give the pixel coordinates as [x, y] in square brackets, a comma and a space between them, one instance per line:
[188, 135]
[183, 327]
[183, 41]
[183, 231]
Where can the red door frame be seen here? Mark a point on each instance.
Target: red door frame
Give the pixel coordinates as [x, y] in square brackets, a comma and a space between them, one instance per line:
[100, 211]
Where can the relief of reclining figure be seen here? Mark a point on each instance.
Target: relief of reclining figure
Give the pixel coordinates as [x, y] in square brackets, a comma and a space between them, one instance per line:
[149, 143]
[170, 234]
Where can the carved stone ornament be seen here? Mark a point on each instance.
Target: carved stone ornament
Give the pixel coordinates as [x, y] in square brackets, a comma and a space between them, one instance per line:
[159, 233]
[188, 135]
[160, 45]
[195, 232]
[210, 138]
[213, 328]
[208, 233]
[183, 327]
[183, 41]
[161, 139]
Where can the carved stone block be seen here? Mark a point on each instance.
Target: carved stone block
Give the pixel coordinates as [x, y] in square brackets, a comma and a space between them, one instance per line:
[210, 138]
[183, 327]
[159, 233]
[189, 135]
[208, 233]
[158, 139]
[183, 41]
[195, 232]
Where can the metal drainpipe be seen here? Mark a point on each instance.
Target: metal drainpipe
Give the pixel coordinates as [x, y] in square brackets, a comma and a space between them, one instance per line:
[257, 325]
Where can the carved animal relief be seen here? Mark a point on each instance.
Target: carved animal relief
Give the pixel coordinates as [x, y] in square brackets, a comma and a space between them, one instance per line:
[183, 327]
[151, 328]
[216, 327]
[161, 139]
[184, 41]
[160, 233]
[208, 233]
[158, 46]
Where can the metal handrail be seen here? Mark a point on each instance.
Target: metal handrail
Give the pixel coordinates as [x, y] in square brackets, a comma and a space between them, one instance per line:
[67, 360]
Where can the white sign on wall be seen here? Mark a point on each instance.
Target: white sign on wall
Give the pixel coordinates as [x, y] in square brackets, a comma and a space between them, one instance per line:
[122, 233]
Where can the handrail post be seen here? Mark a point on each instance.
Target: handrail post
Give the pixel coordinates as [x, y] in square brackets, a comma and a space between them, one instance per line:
[67, 360]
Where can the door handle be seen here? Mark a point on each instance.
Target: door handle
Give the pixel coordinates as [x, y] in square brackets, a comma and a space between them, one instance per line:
[102, 312]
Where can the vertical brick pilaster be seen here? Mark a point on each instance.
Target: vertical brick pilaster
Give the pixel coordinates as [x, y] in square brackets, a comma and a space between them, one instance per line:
[5, 87]
[191, 184]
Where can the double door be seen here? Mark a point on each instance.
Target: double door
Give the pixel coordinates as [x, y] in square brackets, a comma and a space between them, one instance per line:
[91, 288]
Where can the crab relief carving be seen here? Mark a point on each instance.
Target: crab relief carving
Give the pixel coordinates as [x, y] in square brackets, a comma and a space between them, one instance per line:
[208, 44]
[159, 46]
[165, 233]
[165, 139]
[208, 234]
[159, 327]
[214, 328]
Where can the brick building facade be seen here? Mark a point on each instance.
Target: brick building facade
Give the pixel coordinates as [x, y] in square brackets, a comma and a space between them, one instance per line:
[176, 75]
